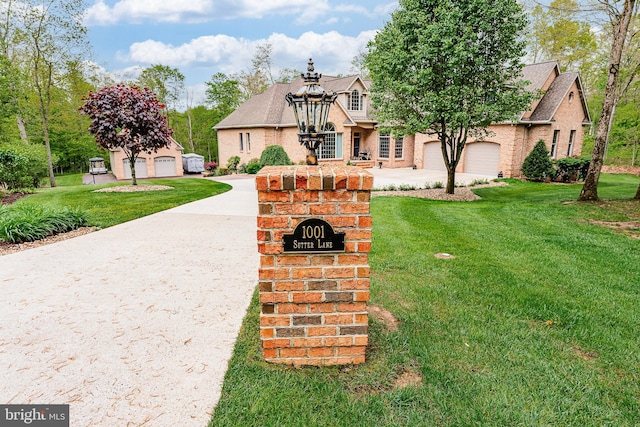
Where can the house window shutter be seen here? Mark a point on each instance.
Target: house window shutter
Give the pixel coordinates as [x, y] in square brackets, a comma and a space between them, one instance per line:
[338, 146]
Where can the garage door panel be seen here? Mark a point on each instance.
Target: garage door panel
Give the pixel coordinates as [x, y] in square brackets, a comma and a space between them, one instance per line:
[482, 158]
[141, 168]
[433, 157]
[165, 166]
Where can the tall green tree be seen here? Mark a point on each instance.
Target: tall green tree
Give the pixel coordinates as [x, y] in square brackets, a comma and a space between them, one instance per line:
[166, 82]
[449, 68]
[46, 35]
[620, 19]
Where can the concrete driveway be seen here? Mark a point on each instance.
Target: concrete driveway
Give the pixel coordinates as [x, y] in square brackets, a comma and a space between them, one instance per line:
[133, 324]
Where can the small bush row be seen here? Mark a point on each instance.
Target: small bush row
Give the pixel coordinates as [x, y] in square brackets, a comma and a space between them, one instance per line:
[26, 223]
[538, 166]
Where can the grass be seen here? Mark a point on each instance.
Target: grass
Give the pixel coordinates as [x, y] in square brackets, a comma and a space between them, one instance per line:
[111, 208]
[535, 322]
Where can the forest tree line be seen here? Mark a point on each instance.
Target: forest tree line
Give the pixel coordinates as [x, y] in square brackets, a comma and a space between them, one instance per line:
[44, 75]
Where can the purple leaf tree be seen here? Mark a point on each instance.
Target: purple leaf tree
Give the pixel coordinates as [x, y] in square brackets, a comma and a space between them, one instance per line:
[129, 118]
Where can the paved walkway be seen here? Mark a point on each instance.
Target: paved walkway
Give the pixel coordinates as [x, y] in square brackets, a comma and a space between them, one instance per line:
[133, 324]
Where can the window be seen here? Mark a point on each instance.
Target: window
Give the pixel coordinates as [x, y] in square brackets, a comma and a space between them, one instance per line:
[331, 148]
[248, 142]
[384, 141]
[570, 97]
[572, 137]
[399, 151]
[554, 144]
[241, 143]
[355, 100]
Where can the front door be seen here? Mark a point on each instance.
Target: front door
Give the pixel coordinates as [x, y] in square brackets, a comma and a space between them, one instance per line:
[356, 145]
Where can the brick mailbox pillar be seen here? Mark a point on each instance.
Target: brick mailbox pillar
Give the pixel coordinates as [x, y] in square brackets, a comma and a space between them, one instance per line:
[314, 237]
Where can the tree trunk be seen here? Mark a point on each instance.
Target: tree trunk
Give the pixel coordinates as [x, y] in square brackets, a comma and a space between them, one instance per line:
[451, 181]
[637, 193]
[590, 188]
[22, 129]
[132, 164]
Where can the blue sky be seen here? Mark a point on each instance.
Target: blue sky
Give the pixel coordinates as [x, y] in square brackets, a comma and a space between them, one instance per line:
[202, 37]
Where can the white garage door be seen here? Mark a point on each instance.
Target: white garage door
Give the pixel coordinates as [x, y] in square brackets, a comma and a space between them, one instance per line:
[141, 168]
[165, 166]
[482, 158]
[433, 157]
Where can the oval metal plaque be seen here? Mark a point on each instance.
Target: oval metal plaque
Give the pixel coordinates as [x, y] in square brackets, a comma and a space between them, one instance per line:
[314, 235]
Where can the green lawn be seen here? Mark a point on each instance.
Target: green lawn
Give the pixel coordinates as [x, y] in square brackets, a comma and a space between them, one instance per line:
[535, 322]
[107, 209]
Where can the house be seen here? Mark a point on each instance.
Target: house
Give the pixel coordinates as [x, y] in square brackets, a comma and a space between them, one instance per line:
[558, 117]
[163, 163]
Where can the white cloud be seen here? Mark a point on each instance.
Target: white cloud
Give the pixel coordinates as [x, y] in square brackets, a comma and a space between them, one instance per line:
[190, 11]
[331, 51]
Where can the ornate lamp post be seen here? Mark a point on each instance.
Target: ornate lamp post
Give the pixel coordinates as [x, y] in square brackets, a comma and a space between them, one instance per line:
[311, 105]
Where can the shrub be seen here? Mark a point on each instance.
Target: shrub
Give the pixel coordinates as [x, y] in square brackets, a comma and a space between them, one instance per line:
[571, 168]
[26, 223]
[22, 166]
[438, 184]
[274, 155]
[233, 162]
[537, 166]
[479, 182]
[210, 166]
[253, 167]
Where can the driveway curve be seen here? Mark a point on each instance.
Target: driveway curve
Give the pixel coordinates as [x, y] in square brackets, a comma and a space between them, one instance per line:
[133, 324]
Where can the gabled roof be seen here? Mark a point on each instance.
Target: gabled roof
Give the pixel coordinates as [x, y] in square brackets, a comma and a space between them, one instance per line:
[270, 109]
[539, 73]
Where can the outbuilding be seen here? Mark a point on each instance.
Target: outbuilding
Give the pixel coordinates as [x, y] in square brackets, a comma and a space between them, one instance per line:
[192, 163]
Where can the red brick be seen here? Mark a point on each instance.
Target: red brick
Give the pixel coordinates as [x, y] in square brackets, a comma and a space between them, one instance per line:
[275, 343]
[338, 319]
[315, 181]
[338, 341]
[275, 320]
[289, 286]
[338, 196]
[269, 222]
[306, 196]
[322, 308]
[343, 222]
[262, 183]
[361, 319]
[350, 351]
[367, 182]
[275, 182]
[364, 247]
[274, 297]
[353, 259]
[359, 234]
[269, 353]
[267, 333]
[290, 308]
[363, 272]
[302, 180]
[322, 352]
[307, 297]
[364, 196]
[353, 307]
[339, 272]
[266, 273]
[361, 340]
[267, 261]
[315, 331]
[263, 236]
[340, 182]
[269, 248]
[285, 260]
[365, 222]
[293, 352]
[282, 273]
[291, 209]
[353, 182]
[274, 196]
[354, 208]
[322, 260]
[306, 342]
[323, 209]
[356, 284]
[307, 273]
[362, 296]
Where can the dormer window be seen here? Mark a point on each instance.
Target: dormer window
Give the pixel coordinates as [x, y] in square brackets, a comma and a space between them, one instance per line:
[355, 100]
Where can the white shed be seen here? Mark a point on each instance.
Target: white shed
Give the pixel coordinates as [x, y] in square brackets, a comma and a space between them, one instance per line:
[192, 163]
